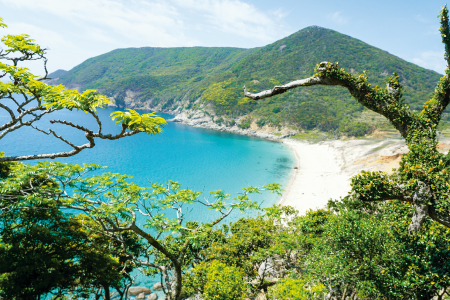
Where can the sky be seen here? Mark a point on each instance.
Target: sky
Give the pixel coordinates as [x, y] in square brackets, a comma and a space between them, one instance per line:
[74, 31]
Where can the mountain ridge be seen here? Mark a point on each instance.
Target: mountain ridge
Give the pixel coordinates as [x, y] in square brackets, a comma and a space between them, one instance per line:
[210, 79]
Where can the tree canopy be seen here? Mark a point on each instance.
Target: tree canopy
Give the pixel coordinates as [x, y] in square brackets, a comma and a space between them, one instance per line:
[75, 231]
[26, 99]
[422, 178]
[63, 231]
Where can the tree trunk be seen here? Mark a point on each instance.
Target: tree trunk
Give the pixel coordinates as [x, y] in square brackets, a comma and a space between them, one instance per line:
[345, 292]
[107, 294]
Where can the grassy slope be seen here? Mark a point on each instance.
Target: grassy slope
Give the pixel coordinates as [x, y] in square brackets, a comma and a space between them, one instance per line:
[165, 75]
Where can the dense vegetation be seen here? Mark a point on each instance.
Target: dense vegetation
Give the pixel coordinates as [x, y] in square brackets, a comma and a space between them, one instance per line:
[171, 78]
[71, 231]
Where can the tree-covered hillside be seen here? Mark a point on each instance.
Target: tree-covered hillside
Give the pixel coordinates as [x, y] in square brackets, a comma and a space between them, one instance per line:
[185, 78]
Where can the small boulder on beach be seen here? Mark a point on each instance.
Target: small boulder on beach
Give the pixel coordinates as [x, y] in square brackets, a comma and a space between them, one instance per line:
[157, 286]
[136, 290]
[152, 296]
[141, 296]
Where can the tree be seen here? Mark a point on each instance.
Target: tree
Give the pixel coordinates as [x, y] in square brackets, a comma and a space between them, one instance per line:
[74, 261]
[362, 249]
[46, 251]
[352, 249]
[112, 205]
[422, 178]
[264, 249]
[27, 99]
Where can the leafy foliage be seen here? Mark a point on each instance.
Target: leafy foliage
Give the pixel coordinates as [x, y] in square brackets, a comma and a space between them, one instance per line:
[216, 280]
[43, 251]
[350, 249]
[21, 43]
[310, 115]
[366, 248]
[245, 123]
[88, 100]
[296, 289]
[25, 98]
[109, 204]
[148, 123]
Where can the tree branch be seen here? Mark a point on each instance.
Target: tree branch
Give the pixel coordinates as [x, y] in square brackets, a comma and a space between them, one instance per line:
[284, 88]
[386, 102]
[77, 150]
[12, 125]
[432, 213]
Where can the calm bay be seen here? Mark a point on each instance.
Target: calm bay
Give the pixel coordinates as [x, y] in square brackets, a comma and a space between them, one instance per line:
[200, 159]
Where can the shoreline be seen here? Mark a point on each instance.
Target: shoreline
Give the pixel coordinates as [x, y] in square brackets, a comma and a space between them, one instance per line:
[201, 120]
[322, 170]
[325, 168]
[318, 178]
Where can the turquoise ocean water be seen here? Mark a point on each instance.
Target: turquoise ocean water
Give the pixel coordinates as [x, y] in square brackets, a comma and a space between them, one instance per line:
[200, 159]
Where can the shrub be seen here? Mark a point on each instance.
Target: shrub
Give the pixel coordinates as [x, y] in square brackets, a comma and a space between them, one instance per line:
[356, 129]
[296, 289]
[261, 122]
[310, 115]
[231, 123]
[245, 123]
[215, 280]
[274, 121]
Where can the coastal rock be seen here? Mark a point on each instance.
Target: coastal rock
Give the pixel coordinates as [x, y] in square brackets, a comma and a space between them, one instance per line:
[130, 98]
[157, 286]
[205, 119]
[140, 296]
[136, 290]
[180, 118]
[152, 296]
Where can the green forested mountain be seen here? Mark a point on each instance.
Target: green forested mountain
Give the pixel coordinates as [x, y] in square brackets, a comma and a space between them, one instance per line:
[171, 78]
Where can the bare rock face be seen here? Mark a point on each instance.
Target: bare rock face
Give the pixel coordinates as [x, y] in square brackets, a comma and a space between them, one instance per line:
[203, 119]
[136, 290]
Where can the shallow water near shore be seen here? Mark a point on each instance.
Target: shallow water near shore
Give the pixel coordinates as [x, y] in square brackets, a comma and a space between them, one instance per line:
[200, 159]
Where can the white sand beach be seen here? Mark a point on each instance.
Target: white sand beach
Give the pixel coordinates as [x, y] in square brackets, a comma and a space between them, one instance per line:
[325, 168]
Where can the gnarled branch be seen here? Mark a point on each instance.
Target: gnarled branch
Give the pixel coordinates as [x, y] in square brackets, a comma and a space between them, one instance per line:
[386, 102]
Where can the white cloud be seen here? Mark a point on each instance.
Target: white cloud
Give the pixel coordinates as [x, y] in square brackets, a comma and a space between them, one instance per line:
[433, 60]
[338, 18]
[157, 22]
[236, 17]
[78, 29]
[51, 40]
[128, 22]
